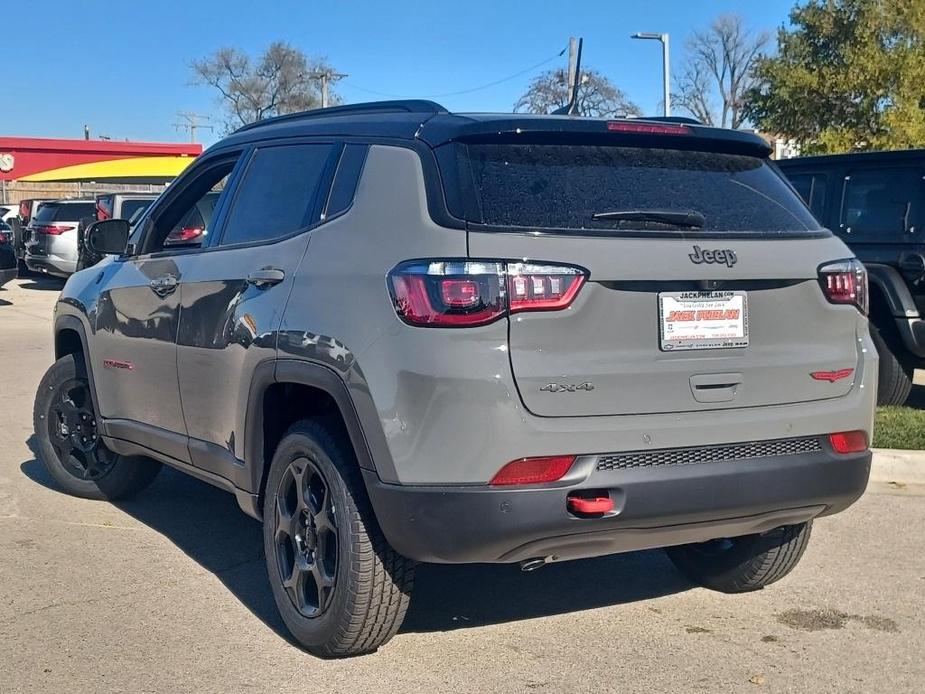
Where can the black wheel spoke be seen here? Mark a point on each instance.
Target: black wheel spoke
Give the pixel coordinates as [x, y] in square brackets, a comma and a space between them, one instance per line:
[73, 434]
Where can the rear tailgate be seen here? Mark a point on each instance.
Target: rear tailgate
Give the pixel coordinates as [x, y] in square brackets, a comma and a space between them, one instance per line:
[727, 313]
[610, 338]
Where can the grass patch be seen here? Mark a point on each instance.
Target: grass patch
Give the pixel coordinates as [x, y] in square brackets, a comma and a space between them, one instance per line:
[899, 427]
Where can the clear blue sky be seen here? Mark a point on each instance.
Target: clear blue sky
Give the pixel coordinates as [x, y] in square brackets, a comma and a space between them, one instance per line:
[123, 67]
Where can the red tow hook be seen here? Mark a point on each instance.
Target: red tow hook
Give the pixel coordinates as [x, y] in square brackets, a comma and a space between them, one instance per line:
[590, 505]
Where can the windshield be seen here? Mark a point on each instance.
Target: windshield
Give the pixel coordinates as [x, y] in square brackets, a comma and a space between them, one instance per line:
[580, 187]
[65, 212]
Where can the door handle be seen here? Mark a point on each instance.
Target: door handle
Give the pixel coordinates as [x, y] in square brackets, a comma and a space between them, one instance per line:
[266, 277]
[164, 285]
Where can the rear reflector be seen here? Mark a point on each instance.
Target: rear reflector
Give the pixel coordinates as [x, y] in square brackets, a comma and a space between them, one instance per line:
[831, 376]
[648, 128]
[533, 470]
[849, 442]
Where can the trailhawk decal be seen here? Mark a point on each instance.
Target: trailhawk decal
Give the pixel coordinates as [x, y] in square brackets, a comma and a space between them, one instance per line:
[116, 364]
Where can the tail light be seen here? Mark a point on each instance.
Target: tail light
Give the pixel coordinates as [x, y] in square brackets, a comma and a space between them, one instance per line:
[183, 235]
[102, 210]
[468, 293]
[24, 209]
[648, 128]
[845, 282]
[849, 442]
[533, 470]
[52, 229]
[6, 236]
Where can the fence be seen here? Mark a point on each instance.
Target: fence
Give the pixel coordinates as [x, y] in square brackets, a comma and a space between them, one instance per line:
[14, 191]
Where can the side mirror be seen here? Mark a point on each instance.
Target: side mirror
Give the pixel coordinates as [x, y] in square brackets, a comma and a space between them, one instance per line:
[108, 237]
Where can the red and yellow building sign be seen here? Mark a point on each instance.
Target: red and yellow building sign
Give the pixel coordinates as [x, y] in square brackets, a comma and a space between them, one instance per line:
[44, 159]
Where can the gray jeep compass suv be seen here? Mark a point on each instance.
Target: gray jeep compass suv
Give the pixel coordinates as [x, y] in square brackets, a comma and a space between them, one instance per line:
[405, 335]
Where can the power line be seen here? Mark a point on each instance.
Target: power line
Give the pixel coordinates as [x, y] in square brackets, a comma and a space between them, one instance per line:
[461, 91]
[192, 123]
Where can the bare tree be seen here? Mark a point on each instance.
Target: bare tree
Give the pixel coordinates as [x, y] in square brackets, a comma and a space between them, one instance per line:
[278, 81]
[719, 70]
[597, 96]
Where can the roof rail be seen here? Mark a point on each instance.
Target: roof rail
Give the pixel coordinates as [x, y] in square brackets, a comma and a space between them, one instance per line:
[400, 106]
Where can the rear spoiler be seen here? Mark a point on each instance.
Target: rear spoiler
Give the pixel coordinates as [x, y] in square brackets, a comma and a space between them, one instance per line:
[525, 129]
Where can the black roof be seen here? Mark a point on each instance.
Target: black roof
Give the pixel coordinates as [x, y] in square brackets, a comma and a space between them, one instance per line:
[431, 123]
[852, 158]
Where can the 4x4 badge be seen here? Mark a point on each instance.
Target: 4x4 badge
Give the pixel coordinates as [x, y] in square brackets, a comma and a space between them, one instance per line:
[567, 387]
[726, 256]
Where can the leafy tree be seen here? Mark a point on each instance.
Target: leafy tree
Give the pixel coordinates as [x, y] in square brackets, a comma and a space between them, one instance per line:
[281, 80]
[849, 75]
[718, 72]
[598, 97]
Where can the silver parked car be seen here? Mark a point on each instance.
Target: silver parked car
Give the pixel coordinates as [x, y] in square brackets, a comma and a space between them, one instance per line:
[50, 239]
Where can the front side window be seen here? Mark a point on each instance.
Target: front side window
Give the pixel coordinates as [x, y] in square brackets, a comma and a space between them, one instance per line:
[188, 220]
[277, 193]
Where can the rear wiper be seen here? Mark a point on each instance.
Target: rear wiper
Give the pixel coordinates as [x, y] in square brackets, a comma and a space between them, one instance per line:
[679, 218]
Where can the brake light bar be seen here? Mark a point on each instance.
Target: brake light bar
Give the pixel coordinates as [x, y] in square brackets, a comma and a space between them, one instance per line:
[468, 293]
[648, 128]
[845, 282]
[52, 229]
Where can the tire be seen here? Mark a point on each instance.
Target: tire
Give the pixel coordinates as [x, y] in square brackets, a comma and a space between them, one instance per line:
[896, 369]
[73, 454]
[743, 564]
[340, 589]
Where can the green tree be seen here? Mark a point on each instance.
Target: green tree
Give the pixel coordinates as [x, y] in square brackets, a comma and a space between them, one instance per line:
[849, 75]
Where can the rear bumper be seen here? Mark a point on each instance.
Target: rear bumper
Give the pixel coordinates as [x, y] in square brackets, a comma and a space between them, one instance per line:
[654, 507]
[50, 265]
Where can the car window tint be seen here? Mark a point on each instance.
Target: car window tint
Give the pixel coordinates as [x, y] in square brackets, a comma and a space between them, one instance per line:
[346, 179]
[811, 188]
[277, 194]
[563, 186]
[880, 201]
[65, 212]
[130, 207]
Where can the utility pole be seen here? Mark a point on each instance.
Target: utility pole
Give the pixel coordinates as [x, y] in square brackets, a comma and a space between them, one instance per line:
[192, 124]
[666, 69]
[327, 77]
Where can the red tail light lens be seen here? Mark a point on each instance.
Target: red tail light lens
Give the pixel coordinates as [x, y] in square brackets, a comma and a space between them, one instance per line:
[845, 282]
[849, 442]
[542, 287]
[52, 229]
[467, 293]
[533, 470]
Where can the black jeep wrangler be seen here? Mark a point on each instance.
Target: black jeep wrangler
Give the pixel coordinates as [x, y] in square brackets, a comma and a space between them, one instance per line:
[875, 201]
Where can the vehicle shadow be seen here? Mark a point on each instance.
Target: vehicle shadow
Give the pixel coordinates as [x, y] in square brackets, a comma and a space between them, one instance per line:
[207, 525]
[42, 283]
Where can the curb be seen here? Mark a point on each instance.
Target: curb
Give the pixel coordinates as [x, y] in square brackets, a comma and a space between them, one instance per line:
[892, 465]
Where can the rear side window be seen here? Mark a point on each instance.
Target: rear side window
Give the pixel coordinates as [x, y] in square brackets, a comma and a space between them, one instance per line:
[811, 188]
[881, 202]
[564, 186]
[65, 212]
[277, 194]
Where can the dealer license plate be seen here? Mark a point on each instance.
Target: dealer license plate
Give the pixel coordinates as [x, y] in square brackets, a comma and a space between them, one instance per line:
[703, 320]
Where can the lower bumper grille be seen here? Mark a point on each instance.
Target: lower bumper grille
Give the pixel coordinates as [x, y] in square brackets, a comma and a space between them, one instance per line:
[709, 454]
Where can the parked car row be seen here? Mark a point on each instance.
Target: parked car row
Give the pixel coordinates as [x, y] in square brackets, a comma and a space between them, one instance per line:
[47, 234]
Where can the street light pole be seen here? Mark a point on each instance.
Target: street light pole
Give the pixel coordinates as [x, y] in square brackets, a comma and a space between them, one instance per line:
[666, 69]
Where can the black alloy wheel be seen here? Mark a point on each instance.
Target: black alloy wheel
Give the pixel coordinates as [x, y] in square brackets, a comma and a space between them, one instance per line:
[306, 537]
[72, 431]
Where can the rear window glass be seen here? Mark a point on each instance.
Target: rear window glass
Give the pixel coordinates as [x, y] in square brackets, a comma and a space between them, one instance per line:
[564, 186]
[65, 212]
[131, 207]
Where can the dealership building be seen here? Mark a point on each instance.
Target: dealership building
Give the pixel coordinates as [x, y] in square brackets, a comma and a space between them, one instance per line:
[46, 167]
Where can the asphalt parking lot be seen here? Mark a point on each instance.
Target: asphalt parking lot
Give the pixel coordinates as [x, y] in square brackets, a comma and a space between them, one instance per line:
[168, 593]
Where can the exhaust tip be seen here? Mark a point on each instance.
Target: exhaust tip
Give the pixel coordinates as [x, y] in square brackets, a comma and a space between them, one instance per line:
[533, 564]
